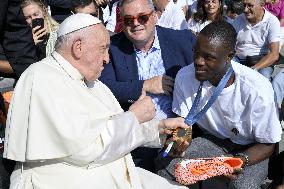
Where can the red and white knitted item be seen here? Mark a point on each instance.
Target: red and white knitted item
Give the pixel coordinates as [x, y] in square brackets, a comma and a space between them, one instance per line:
[192, 170]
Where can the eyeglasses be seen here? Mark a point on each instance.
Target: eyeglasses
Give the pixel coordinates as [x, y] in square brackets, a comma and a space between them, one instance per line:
[142, 19]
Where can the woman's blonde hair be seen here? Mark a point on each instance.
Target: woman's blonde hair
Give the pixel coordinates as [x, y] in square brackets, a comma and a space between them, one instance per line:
[49, 22]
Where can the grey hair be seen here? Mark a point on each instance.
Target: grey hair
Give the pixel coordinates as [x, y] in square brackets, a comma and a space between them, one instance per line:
[66, 40]
[123, 2]
[261, 2]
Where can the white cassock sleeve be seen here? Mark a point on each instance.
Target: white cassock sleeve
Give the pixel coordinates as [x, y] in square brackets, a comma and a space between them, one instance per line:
[122, 134]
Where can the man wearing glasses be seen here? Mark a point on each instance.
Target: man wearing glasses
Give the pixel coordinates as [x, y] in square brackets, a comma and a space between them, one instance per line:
[146, 58]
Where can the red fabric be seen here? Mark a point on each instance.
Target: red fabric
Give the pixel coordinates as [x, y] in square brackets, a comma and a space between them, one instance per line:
[118, 26]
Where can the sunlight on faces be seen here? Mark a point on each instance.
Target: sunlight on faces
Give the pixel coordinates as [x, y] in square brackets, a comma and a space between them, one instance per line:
[31, 12]
[212, 6]
[210, 59]
[137, 32]
[94, 47]
[251, 9]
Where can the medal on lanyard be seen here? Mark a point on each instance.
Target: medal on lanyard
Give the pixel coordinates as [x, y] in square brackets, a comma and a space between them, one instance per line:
[193, 117]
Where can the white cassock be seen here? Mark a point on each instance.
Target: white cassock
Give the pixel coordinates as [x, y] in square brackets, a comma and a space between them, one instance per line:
[65, 134]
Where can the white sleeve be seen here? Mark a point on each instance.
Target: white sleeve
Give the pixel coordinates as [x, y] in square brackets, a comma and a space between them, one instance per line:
[179, 105]
[180, 22]
[192, 25]
[122, 134]
[111, 23]
[274, 30]
[265, 122]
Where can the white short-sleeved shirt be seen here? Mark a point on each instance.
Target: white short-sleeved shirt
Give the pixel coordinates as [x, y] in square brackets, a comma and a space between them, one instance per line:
[247, 106]
[254, 40]
[173, 17]
[196, 27]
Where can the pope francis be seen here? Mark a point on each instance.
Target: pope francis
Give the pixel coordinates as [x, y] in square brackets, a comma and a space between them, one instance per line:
[66, 130]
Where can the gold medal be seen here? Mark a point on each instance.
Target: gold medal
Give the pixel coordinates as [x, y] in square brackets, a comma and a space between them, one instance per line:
[185, 134]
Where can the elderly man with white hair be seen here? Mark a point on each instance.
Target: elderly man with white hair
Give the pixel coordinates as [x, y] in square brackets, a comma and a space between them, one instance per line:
[65, 128]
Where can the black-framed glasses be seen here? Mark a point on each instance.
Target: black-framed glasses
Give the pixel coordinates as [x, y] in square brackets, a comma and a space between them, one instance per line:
[142, 19]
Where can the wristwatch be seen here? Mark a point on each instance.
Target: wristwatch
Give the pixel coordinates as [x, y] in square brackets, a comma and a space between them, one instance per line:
[243, 157]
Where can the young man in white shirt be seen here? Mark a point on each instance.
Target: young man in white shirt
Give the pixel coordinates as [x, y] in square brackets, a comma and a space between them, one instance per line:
[243, 120]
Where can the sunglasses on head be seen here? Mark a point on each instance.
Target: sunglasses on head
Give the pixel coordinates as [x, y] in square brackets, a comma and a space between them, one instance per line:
[142, 19]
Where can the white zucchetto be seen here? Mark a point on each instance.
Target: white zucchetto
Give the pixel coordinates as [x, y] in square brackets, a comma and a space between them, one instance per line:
[76, 22]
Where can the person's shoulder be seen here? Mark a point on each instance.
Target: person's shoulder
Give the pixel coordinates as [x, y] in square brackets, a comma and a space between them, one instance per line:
[251, 80]
[239, 21]
[186, 74]
[272, 19]
[44, 69]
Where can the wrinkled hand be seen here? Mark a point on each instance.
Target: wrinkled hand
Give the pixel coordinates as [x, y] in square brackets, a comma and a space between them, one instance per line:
[159, 85]
[37, 34]
[143, 108]
[167, 126]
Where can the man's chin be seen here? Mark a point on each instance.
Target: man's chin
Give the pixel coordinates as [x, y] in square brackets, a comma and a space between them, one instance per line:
[200, 77]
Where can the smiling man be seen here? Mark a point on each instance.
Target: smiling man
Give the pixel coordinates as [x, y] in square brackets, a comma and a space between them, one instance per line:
[258, 37]
[145, 57]
[243, 120]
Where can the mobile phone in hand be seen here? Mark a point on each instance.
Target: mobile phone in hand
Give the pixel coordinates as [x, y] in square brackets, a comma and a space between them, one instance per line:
[38, 22]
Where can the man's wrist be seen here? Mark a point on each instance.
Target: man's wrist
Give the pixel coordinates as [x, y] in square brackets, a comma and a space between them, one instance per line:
[244, 157]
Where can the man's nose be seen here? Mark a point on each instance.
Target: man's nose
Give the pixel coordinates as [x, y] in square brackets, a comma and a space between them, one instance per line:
[135, 22]
[199, 61]
[106, 59]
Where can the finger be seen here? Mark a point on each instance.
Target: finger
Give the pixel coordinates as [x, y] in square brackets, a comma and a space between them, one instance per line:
[42, 34]
[230, 176]
[168, 131]
[143, 95]
[168, 82]
[184, 146]
[35, 29]
[167, 89]
[168, 78]
[39, 32]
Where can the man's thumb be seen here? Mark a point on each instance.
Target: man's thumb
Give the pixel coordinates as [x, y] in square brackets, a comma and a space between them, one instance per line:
[143, 95]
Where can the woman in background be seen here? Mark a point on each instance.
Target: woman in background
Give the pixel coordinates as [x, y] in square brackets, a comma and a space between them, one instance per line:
[44, 38]
[207, 12]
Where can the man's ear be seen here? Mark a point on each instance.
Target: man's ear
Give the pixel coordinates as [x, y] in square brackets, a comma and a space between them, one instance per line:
[76, 48]
[231, 55]
[156, 17]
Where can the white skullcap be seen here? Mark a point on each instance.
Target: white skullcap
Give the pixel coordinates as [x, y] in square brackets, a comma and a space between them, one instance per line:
[76, 22]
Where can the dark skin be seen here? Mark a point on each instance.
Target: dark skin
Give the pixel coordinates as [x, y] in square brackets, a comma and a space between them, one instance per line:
[210, 64]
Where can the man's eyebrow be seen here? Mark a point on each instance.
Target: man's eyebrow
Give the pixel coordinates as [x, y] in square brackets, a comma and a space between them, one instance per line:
[104, 46]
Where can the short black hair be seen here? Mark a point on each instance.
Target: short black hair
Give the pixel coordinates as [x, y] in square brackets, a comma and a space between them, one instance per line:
[236, 6]
[81, 3]
[221, 31]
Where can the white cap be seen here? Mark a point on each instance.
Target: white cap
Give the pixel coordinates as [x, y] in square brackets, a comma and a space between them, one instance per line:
[76, 22]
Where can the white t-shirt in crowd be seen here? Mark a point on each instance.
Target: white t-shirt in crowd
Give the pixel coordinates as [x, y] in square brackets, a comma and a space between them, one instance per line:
[196, 27]
[255, 40]
[173, 17]
[111, 22]
[247, 106]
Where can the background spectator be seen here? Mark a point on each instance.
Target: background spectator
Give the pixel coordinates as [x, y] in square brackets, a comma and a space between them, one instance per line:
[207, 11]
[44, 38]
